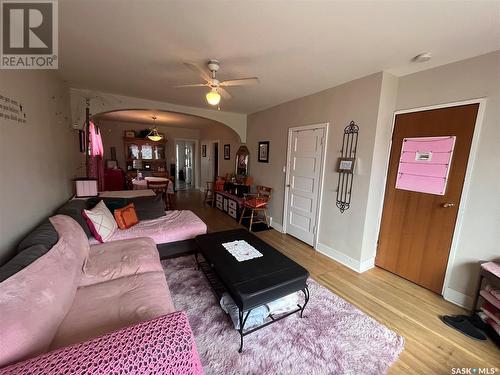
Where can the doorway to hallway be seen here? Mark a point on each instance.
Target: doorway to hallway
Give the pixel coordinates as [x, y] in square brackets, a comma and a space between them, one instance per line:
[185, 164]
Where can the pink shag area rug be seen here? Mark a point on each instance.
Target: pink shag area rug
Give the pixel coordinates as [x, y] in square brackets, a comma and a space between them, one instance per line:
[333, 337]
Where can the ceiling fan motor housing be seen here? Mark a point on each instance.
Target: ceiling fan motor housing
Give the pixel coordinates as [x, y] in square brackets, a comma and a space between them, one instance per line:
[213, 65]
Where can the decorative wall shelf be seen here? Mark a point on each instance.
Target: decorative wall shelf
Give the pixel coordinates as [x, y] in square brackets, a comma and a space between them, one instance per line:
[345, 166]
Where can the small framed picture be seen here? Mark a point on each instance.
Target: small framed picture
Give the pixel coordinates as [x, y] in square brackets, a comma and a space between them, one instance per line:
[129, 134]
[204, 151]
[81, 139]
[263, 152]
[227, 152]
[346, 165]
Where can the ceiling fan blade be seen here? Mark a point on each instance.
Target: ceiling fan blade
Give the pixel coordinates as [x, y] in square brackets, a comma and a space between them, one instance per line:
[191, 85]
[224, 93]
[199, 70]
[240, 82]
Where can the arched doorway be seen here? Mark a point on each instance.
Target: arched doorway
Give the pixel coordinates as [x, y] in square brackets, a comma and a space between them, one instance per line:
[183, 133]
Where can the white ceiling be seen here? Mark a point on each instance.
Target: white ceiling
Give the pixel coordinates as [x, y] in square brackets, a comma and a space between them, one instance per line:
[136, 48]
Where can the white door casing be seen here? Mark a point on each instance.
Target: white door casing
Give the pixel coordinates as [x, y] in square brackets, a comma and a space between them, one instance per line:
[303, 182]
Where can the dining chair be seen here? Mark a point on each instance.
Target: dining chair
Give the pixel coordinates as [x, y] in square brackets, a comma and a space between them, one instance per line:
[209, 193]
[160, 187]
[257, 203]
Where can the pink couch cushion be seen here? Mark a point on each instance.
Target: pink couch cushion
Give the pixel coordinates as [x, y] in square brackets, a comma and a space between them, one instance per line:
[175, 226]
[34, 301]
[74, 236]
[108, 306]
[161, 346]
[116, 259]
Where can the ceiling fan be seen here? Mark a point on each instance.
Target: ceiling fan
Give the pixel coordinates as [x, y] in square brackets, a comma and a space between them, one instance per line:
[217, 88]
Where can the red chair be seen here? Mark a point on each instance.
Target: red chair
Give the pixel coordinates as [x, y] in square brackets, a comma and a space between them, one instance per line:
[257, 203]
[219, 184]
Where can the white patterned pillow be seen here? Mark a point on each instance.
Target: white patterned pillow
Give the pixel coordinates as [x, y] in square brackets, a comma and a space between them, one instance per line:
[101, 222]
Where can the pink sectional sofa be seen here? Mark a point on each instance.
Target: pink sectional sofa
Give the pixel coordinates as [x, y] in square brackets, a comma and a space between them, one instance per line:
[113, 294]
[172, 231]
[175, 226]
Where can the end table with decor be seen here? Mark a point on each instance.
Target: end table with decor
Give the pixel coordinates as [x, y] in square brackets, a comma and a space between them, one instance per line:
[229, 195]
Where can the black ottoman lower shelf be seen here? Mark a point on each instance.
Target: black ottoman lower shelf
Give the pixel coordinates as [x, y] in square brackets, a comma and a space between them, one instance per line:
[250, 283]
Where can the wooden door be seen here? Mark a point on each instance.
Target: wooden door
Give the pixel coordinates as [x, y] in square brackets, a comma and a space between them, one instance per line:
[417, 227]
[305, 163]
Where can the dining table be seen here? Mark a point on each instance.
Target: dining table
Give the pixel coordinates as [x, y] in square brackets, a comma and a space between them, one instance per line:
[142, 184]
[127, 193]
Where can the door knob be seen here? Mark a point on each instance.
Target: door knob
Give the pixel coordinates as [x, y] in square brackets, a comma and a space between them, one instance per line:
[447, 205]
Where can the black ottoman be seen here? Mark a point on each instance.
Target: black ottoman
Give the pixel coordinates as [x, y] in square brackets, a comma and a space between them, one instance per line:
[254, 282]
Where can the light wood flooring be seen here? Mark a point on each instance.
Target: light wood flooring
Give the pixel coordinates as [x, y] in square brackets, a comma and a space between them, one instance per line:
[412, 311]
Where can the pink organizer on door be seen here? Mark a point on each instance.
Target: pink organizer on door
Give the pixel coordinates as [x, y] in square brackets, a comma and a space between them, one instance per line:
[424, 164]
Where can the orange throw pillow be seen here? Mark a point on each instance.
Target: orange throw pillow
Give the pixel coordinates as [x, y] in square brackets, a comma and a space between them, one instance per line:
[126, 217]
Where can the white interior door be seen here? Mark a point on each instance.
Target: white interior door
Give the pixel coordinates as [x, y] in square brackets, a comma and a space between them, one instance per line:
[303, 183]
[189, 163]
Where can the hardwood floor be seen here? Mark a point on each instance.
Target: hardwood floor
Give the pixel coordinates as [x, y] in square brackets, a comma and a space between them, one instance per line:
[413, 312]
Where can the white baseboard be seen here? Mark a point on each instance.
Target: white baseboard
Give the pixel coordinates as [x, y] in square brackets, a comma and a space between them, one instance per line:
[366, 265]
[458, 298]
[276, 225]
[344, 259]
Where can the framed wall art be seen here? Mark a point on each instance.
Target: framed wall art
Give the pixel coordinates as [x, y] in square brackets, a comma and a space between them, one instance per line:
[346, 165]
[263, 152]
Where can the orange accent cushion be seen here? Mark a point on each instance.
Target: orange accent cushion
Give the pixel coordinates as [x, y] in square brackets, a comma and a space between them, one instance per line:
[256, 202]
[126, 217]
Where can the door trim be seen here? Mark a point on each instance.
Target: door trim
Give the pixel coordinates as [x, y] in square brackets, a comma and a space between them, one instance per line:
[325, 126]
[448, 294]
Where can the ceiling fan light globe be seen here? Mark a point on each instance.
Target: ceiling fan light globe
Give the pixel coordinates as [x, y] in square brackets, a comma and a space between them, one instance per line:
[213, 98]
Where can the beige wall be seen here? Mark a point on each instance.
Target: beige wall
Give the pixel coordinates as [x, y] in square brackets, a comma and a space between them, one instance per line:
[479, 237]
[340, 235]
[39, 158]
[380, 160]
[371, 101]
[223, 135]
